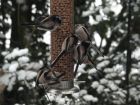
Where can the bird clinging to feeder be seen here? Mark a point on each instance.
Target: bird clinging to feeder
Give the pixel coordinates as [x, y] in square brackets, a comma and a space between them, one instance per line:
[46, 23]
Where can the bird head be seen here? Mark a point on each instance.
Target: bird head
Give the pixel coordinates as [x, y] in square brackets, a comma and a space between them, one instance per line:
[57, 19]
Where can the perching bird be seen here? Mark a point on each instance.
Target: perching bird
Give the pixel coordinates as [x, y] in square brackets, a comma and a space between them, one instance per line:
[46, 78]
[81, 53]
[49, 23]
[68, 45]
[82, 33]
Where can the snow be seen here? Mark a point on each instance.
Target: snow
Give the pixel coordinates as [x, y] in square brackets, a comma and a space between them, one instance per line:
[11, 83]
[23, 59]
[134, 71]
[95, 84]
[76, 95]
[34, 65]
[112, 86]
[16, 53]
[117, 82]
[98, 2]
[118, 67]
[28, 75]
[134, 93]
[9, 80]
[13, 67]
[4, 53]
[120, 93]
[92, 71]
[6, 66]
[21, 75]
[106, 10]
[136, 53]
[90, 98]
[122, 73]
[20, 88]
[98, 18]
[107, 90]
[47, 37]
[113, 74]
[103, 81]
[82, 92]
[103, 64]
[80, 69]
[100, 89]
[5, 79]
[92, 21]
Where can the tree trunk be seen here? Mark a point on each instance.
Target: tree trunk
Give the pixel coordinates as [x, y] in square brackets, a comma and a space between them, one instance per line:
[129, 62]
[18, 17]
[64, 8]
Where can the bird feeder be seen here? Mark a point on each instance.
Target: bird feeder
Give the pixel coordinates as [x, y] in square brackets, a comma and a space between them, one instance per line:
[63, 8]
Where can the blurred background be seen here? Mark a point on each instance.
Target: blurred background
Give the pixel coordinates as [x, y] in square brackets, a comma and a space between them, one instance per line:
[116, 30]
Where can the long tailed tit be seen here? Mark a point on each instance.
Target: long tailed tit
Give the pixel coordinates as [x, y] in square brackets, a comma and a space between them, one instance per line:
[82, 33]
[49, 23]
[46, 78]
[81, 53]
[68, 45]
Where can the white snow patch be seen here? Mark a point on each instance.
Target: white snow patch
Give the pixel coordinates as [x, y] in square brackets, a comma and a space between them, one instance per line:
[13, 67]
[112, 86]
[16, 53]
[95, 84]
[103, 81]
[90, 98]
[134, 71]
[20, 88]
[6, 66]
[92, 71]
[76, 95]
[136, 53]
[82, 92]
[103, 64]
[28, 75]
[98, 18]
[23, 59]
[34, 65]
[11, 83]
[100, 89]
[59, 100]
[106, 10]
[5, 79]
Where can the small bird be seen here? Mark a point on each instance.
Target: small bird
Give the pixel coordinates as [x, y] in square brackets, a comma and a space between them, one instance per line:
[46, 78]
[82, 33]
[68, 45]
[81, 53]
[49, 23]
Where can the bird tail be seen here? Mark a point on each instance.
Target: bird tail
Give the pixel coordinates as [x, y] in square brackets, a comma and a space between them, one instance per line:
[28, 24]
[76, 69]
[57, 58]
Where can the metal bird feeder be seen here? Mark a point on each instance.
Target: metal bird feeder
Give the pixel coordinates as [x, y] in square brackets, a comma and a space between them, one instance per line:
[63, 8]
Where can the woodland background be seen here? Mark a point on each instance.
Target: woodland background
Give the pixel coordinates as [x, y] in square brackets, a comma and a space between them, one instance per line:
[116, 30]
